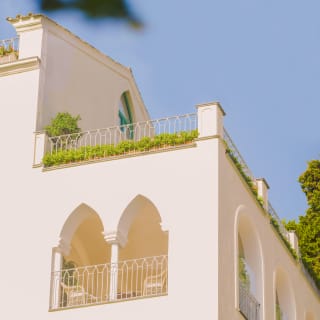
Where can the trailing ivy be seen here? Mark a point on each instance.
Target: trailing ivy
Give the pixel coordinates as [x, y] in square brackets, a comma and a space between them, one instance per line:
[308, 228]
[65, 156]
[276, 226]
[246, 178]
[254, 190]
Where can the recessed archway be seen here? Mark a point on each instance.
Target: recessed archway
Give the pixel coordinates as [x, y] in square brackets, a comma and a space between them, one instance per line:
[284, 299]
[249, 262]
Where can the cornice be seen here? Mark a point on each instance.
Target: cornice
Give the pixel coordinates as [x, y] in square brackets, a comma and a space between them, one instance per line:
[19, 66]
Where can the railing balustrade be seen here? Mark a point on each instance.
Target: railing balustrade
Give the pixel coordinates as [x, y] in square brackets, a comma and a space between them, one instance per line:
[131, 132]
[9, 50]
[275, 216]
[234, 150]
[136, 278]
[248, 305]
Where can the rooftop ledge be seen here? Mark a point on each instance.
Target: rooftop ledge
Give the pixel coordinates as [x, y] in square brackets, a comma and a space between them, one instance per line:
[18, 66]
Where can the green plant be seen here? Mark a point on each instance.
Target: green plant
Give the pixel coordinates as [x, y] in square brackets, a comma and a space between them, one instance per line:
[243, 273]
[276, 226]
[68, 268]
[308, 226]
[63, 123]
[246, 178]
[64, 156]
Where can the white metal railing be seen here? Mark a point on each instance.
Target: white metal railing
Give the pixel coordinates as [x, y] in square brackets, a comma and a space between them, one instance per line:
[275, 216]
[236, 153]
[248, 305]
[9, 50]
[130, 132]
[103, 283]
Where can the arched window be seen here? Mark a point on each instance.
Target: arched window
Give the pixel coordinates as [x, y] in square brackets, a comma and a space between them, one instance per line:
[125, 109]
[81, 262]
[249, 273]
[284, 297]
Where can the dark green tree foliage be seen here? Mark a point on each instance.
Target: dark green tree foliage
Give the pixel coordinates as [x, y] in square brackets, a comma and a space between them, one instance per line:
[308, 227]
[117, 9]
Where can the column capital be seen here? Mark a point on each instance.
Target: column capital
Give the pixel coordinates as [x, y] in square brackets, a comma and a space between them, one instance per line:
[115, 237]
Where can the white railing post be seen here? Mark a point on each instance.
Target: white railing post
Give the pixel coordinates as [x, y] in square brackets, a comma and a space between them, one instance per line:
[39, 148]
[55, 297]
[293, 239]
[210, 119]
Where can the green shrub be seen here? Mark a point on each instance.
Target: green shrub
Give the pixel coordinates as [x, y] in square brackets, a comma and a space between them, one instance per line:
[63, 123]
[64, 156]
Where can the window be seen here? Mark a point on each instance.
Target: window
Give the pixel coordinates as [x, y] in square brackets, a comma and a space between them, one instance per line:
[125, 115]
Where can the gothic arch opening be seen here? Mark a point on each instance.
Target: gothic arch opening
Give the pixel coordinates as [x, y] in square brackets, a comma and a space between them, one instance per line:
[80, 262]
[143, 259]
[82, 238]
[140, 223]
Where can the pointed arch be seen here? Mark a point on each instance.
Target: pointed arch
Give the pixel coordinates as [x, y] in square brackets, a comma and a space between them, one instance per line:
[140, 227]
[136, 205]
[74, 220]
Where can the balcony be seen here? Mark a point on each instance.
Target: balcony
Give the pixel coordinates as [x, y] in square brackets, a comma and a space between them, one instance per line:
[109, 282]
[114, 142]
[248, 305]
[9, 50]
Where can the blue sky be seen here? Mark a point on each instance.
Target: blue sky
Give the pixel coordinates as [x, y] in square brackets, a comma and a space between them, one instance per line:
[259, 58]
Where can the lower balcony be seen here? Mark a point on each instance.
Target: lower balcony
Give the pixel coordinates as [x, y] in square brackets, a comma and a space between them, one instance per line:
[109, 282]
[248, 305]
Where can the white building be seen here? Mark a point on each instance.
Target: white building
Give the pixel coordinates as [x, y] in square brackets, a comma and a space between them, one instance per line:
[164, 227]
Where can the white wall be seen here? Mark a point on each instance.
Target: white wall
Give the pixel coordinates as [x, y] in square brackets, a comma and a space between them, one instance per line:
[236, 199]
[75, 77]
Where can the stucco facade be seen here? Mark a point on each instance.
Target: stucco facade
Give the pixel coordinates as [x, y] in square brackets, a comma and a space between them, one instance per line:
[189, 204]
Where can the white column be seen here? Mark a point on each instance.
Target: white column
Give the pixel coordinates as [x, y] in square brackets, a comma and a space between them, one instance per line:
[263, 187]
[39, 148]
[113, 290]
[210, 119]
[30, 29]
[55, 278]
[115, 239]
[293, 239]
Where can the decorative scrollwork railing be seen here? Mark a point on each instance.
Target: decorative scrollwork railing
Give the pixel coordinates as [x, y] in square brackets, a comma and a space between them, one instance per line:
[104, 283]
